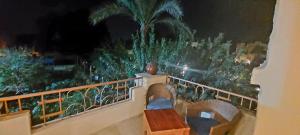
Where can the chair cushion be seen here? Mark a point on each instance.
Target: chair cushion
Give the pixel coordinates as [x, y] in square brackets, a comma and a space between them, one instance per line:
[201, 125]
[160, 103]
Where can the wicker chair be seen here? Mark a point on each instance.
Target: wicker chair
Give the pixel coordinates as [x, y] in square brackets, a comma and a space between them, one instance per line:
[162, 92]
[226, 116]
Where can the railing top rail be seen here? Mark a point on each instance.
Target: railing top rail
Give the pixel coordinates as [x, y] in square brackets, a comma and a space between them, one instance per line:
[216, 89]
[64, 90]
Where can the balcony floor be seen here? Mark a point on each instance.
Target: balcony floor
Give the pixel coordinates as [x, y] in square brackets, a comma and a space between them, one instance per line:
[132, 126]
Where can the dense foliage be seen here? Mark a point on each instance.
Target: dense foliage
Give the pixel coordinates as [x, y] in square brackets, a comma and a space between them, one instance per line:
[20, 72]
[121, 62]
[211, 62]
[216, 66]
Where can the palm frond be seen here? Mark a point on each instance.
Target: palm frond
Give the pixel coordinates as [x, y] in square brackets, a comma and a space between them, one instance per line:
[146, 13]
[171, 7]
[125, 3]
[150, 8]
[140, 6]
[177, 26]
[107, 11]
[133, 7]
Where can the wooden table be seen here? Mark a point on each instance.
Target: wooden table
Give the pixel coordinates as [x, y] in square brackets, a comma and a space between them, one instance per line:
[164, 122]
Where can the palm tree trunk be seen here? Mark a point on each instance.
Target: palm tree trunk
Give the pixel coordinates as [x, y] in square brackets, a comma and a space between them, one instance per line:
[143, 32]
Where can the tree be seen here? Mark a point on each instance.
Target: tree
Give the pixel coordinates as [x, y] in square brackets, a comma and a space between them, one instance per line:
[212, 62]
[20, 72]
[147, 13]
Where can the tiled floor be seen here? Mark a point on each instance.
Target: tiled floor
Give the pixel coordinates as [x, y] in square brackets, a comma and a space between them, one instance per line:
[132, 126]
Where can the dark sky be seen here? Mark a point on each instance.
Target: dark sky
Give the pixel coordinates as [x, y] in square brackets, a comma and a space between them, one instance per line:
[21, 16]
[240, 20]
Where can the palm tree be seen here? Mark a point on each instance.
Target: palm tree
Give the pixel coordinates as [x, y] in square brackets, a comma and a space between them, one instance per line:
[147, 13]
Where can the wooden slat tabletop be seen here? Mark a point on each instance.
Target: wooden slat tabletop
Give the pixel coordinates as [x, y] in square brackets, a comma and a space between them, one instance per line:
[166, 119]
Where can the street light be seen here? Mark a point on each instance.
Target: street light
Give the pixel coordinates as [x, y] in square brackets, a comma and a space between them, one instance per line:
[185, 68]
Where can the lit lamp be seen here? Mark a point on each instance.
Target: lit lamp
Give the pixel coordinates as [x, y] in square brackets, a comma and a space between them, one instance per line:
[185, 68]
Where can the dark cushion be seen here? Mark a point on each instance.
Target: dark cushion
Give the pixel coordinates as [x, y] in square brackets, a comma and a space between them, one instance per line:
[201, 125]
[160, 103]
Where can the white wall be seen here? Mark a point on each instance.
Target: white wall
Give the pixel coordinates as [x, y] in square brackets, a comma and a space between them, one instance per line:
[96, 120]
[16, 124]
[279, 103]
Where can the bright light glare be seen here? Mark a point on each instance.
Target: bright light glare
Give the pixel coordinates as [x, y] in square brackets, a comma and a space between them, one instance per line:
[185, 67]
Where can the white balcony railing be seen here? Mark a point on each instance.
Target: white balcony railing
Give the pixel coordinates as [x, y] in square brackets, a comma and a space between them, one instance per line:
[53, 105]
[199, 90]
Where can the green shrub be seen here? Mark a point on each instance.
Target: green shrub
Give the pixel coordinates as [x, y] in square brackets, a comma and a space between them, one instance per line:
[20, 72]
[215, 66]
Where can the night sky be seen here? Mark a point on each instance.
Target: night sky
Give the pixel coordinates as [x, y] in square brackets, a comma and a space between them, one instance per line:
[63, 24]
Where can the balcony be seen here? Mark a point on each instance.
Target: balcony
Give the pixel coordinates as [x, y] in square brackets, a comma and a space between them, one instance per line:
[121, 114]
[111, 108]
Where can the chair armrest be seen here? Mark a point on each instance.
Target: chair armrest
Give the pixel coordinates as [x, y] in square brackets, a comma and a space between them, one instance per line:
[220, 129]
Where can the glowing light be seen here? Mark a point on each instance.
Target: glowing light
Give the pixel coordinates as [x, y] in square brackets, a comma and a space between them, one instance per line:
[185, 67]
[248, 61]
